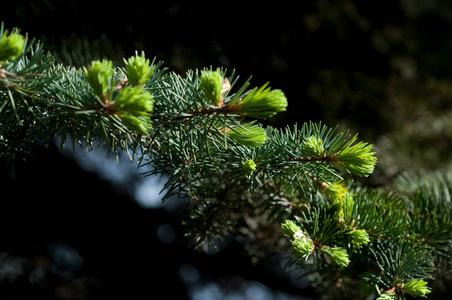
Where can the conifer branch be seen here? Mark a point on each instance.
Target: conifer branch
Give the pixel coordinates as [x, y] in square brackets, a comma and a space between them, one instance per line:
[201, 131]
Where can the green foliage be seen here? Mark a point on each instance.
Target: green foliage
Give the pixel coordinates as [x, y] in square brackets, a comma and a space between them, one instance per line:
[313, 147]
[238, 176]
[302, 245]
[99, 75]
[212, 85]
[358, 237]
[261, 103]
[11, 45]
[416, 288]
[248, 167]
[336, 191]
[247, 134]
[396, 263]
[337, 255]
[134, 100]
[138, 69]
[134, 106]
[357, 159]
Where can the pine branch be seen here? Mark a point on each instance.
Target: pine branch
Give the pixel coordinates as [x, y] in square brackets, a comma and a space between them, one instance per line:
[201, 130]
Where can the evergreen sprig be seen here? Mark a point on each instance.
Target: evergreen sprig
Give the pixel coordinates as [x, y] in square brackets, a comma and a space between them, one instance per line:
[396, 264]
[11, 44]
[238, 175]
[138, 69]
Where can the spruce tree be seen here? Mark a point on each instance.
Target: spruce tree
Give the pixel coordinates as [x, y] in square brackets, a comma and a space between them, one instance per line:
[290, 190]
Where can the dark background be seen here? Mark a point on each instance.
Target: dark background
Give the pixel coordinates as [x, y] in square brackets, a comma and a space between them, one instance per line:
[369, 66]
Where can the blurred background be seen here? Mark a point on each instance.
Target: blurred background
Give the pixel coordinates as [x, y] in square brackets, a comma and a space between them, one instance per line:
[78, 225]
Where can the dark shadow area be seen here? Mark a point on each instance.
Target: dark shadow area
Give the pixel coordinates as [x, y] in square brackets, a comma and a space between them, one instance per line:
[65, 234]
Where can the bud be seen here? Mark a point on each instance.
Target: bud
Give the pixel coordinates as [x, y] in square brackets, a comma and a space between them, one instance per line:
[260, 103]
[11, 46]
[337, 255]
[133, 105]
[138, 69]
[141, 124]
[247, 134]
[313, 147]
[342, 200]
[289, 228]
[416, 288]
[211, 86]
[357, 159]
[99, 76]
[302, 245]
[134, 100]
[359, 237]
[248, 167]
[336, 191]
